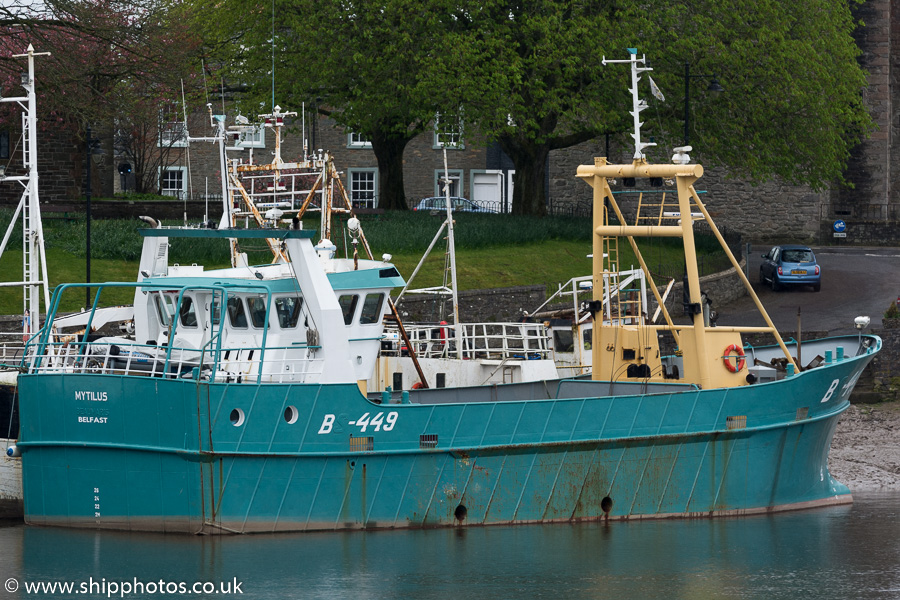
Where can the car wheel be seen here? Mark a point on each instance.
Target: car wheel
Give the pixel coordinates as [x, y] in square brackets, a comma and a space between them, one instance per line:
[776, 287]
[817, 287]
[762, 278]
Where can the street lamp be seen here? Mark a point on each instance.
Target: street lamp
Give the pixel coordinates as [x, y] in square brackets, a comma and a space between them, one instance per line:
[713, 87]
[92, 145]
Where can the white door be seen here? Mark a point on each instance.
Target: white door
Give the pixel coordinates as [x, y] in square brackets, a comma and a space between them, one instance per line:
[487, 189]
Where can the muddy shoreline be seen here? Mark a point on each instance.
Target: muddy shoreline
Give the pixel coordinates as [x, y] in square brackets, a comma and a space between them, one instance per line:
[865, 451]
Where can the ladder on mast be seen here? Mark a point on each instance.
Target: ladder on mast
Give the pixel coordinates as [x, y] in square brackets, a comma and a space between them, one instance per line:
[34, 261]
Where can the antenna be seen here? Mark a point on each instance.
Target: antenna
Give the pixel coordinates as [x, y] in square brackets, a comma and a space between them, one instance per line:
[303, 134]
[273, 56]
[188, 149]
[638, 104]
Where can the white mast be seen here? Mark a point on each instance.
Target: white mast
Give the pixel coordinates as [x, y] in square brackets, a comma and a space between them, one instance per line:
[637, 103]
[451, 243]
[34, 262]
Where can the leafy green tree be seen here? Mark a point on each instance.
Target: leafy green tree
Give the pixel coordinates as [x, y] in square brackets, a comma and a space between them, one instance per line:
[528, 74]
[357, 62]
[793, 105]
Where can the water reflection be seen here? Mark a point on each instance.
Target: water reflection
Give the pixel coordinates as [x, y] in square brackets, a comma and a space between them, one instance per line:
[841, 552]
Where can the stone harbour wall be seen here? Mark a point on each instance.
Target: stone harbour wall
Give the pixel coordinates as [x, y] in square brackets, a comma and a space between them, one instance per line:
[475, 306]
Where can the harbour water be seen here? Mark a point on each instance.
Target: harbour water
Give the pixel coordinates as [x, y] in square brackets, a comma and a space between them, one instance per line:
[840, 552]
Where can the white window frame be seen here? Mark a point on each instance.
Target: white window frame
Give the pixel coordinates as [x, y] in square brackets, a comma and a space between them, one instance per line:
[458, 175]
[357, 140]
[252, 136]
[351, 190]
[456, 141]
[172, 130]
[183, 191]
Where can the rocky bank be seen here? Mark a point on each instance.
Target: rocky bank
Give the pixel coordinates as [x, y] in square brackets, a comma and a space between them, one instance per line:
[865, 451]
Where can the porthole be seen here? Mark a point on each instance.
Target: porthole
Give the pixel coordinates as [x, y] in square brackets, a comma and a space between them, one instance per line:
[237, 417]
[291, 414]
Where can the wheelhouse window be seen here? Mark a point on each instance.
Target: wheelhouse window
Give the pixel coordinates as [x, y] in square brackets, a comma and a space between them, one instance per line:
[236, 315]
[371, 310]
[186, 313]
[216, 312]
[288, 310]
[257, 307]
[348, 304]
[563, 340]
[165, 306]
[363, 187]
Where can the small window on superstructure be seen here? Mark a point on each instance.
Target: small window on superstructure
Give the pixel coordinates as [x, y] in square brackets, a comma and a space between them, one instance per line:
[165, 304]
[288, 310]
[186, 313]
[371, 310]
[236, 315]
[348, 304]
[216, 312]
[257, 307]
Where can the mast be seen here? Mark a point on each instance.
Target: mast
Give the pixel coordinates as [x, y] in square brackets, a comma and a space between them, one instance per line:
[34, 261]
[451, 248]
[621, 350]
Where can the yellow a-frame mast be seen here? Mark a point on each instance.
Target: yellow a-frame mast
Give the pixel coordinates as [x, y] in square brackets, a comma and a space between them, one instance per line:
[631, 351]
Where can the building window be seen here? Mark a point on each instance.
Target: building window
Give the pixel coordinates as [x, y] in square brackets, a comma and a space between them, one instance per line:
[456, 182]
[173, 181]
[358, 140]
[172, 130]
[251, 136]
[448, 132]
[4, 144]
[363, 187]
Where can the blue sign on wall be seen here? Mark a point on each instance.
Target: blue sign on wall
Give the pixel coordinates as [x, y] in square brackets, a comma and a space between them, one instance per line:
[840, 226]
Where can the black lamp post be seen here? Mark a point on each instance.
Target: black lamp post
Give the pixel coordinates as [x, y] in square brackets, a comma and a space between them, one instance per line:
[713, 87]
[90, 144]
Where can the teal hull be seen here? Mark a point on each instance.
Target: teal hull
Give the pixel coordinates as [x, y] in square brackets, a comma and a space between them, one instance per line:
[142, 453]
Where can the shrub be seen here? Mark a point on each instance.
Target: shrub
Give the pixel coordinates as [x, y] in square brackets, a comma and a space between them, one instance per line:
[892, 311]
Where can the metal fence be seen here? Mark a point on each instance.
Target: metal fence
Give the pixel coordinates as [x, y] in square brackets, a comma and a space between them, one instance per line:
[862, 212]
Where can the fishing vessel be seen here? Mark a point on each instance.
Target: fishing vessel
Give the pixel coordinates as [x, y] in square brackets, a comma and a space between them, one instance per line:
[238, 405]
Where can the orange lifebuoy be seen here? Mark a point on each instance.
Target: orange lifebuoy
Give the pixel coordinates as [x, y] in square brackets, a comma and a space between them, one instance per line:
[417, 385]
[737, 365]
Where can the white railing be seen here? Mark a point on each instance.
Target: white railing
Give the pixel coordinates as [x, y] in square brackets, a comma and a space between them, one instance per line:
[492, 341]
[12, 348]
[238, 365]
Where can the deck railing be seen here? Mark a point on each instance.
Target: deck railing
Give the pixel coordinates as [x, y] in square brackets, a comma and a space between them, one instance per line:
[491, 341]
[51, 351]
[281, 364]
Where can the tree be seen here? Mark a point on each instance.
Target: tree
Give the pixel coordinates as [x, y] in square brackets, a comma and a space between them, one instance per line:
[793, 106]
[528, 74]
[113, 63]
[355, 61]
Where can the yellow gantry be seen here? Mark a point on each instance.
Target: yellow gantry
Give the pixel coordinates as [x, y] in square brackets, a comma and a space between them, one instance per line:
[618, 348]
